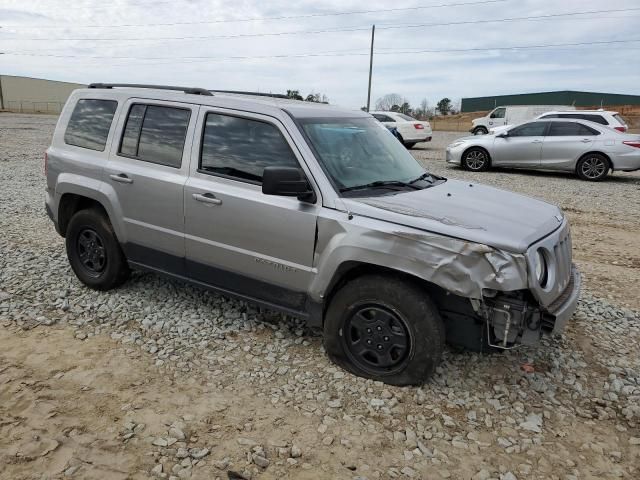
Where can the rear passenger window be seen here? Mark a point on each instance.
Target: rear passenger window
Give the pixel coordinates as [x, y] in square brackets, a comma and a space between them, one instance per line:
[155, 134]
[241, 148]
[570, 129]
[582, 116]
[89, 124]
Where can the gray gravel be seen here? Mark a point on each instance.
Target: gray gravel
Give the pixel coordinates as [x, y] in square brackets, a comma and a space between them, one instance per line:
[577, 415]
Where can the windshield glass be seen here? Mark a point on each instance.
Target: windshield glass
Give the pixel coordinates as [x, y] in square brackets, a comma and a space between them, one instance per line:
[360, 151]
[406, 117]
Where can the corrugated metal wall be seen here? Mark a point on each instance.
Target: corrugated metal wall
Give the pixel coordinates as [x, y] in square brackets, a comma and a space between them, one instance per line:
[567, 97]
[34, 95]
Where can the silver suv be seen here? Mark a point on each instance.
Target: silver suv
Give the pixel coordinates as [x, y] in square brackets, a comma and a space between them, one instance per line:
[311, 210]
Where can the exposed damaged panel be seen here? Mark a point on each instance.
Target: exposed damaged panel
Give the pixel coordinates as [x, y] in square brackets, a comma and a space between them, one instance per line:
[458, 266]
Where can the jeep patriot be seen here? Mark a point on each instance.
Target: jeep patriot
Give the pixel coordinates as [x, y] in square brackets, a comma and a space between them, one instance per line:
[308, 209]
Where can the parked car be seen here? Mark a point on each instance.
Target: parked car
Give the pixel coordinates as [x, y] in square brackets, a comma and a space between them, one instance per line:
[603, 117]
[588, 149]
[411, 131]
[307, 209]
[510, 115]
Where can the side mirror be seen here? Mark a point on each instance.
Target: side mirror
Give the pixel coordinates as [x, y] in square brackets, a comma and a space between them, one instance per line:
[502, 134]
[287, 182]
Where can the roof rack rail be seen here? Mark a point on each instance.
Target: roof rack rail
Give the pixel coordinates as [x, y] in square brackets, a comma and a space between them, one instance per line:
[257, 94]
[191, 90]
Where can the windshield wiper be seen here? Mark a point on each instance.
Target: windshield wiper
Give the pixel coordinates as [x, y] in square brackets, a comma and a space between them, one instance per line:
[423, 177]
[380, 183]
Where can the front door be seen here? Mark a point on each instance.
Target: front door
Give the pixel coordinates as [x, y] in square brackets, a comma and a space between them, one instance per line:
[521, 147]
[565, 143]
[497, 118]
[145, 175]
[237, 238]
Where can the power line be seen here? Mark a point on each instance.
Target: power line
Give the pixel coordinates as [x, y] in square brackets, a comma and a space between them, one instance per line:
[284, 17]
[305, 55]
[339, 30]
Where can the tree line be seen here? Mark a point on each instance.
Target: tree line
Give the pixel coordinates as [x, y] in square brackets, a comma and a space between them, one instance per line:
[394, 102]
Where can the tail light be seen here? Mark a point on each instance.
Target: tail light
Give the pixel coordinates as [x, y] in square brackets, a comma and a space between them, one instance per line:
[46, 161]
[621, 129]
[418, 126]
[633, 143]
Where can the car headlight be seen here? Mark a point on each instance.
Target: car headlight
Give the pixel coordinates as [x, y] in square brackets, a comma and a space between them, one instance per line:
[540, 267]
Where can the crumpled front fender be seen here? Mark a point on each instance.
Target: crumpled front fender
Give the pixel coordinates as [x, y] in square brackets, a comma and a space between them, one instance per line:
[458, 266]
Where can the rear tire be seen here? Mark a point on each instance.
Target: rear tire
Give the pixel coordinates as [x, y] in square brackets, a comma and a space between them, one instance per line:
[476, 159]
[384, 328]
[593, 167]
[94, 252]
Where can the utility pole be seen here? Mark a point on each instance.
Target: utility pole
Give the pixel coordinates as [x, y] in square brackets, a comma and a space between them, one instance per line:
[373, 34]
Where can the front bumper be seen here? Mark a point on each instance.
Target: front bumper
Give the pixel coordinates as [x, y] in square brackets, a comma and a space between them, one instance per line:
[454, 155]
[565, 305]
[515, 320]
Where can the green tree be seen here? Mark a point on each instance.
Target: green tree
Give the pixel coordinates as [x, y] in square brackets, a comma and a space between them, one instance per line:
[294, 94]
[444, 106]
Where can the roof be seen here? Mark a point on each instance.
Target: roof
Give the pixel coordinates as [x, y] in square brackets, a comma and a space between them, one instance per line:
[240, 100]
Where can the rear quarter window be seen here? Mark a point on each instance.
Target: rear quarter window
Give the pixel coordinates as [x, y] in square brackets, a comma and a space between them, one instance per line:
[90, 123]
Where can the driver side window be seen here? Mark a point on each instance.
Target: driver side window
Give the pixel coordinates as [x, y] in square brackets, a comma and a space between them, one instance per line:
[534, 129]
[498, 113]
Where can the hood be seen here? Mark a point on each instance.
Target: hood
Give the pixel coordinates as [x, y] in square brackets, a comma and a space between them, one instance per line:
[467, 211]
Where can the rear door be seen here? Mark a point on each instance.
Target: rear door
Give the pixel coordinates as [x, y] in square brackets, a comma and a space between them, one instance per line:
[237, 238]
[565, 143]
[521, 147]
[145, 175]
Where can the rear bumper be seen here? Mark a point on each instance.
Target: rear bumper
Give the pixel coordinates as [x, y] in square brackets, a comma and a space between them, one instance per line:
[565, 305]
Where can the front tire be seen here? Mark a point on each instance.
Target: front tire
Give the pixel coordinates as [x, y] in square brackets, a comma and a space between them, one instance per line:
[384, 328]
[593, 167]
[480, 131]
[94, 252]
[476, 159]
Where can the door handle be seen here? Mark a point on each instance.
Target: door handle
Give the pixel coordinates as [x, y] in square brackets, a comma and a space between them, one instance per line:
[537, 141]
[121, 178]
[207, 198]
[585, 140]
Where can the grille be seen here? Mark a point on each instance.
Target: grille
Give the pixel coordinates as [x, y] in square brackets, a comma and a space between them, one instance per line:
[557, 247]
[562, 254]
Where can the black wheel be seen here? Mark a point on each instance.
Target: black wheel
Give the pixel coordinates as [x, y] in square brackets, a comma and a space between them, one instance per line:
[593, 167]
[476, 159]
[384, 328]
[480, 131]
[410, 145]
[94, 252]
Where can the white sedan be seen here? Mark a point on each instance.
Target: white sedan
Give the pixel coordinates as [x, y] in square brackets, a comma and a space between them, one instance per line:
[411, 131]
[588, 149]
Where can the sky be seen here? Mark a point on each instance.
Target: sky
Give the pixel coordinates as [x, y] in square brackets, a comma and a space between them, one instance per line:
[423, 48]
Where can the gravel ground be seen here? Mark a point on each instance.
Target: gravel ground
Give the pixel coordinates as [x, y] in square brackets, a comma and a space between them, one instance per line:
[160, 380]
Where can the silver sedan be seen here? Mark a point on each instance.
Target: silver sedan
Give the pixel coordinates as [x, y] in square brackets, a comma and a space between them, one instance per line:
[588, 149]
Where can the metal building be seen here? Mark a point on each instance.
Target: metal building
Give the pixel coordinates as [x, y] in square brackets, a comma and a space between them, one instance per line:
[34, 95]
[566, 97]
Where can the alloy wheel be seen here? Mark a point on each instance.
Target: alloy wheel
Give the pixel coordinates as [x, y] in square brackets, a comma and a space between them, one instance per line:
[593, 167]
[475, 159]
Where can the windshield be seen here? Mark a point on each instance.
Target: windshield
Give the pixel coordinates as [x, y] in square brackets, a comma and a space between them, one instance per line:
[360, 151]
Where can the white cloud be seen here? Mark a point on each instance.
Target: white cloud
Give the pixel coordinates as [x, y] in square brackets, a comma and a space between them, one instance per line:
[611, 68]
